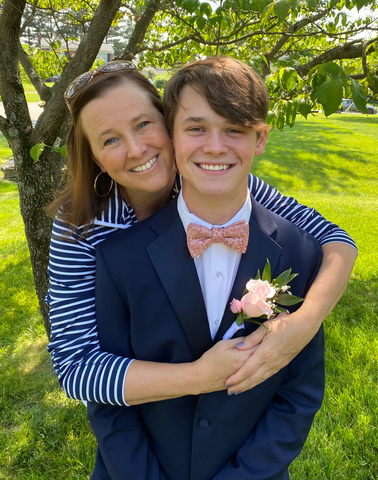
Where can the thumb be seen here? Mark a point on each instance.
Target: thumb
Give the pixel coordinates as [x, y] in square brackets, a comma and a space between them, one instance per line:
[254, 339]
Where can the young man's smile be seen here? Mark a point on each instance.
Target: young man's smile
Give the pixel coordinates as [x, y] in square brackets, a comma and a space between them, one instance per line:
[213, 155]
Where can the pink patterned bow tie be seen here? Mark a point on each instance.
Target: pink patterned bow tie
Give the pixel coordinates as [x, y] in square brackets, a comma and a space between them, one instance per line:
[200, 238]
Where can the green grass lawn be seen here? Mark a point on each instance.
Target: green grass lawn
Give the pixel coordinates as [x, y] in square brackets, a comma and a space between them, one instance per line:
[31, 93]
[5, 151]
[330, 164]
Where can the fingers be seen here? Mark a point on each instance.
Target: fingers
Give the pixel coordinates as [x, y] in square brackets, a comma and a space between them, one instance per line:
[247, 377]
[247, 371]
[253, 340]
[244, 386]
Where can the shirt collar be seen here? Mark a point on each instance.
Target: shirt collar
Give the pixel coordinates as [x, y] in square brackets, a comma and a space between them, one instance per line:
[186, 217]
[118, 213]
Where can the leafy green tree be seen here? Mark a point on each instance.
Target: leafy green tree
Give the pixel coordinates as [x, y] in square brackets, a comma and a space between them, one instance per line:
[310, 52]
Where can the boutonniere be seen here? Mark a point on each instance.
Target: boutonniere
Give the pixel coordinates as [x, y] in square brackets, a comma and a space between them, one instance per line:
[262, 299]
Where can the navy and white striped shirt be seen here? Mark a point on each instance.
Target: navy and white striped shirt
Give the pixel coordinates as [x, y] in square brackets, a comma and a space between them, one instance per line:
[84, 371]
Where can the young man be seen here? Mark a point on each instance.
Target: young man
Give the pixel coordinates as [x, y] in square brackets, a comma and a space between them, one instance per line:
[165, 306]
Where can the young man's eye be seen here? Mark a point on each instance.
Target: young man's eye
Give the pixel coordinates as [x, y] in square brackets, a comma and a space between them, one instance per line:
[195, 129]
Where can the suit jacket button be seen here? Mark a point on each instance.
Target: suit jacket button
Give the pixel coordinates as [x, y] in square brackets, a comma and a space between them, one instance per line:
[203, 423]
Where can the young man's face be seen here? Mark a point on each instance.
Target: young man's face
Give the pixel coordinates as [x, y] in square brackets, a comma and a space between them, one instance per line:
[213, 155]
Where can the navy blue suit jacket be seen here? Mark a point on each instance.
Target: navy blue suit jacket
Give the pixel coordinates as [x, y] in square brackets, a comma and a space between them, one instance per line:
[150, 307]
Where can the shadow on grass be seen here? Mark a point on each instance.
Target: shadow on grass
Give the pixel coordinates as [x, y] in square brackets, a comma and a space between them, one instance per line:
[357, 303]
[43, 434]
[343, 443]
[303, 154]
[368, 120]
[7, 185]
[17, 296]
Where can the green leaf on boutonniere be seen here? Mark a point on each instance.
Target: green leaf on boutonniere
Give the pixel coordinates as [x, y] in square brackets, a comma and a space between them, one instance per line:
[258, 275]
[286, 300]
[267, 274]
[253, 320]
[279, 309]
[283, 278]
[239, 320]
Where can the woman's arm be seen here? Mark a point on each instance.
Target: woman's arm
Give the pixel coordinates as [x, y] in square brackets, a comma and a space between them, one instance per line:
[84, 371]
[289, 334]
[304, 217]
[151, 382]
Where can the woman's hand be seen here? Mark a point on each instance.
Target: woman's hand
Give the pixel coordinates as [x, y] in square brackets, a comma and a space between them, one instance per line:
[273, 349]
[289, 334]
[218, 363]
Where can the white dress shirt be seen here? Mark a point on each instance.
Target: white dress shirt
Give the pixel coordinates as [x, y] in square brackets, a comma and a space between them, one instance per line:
[217, 266]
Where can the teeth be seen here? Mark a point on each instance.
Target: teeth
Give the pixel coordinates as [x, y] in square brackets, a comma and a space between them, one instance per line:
[214, 167]
[146, 166]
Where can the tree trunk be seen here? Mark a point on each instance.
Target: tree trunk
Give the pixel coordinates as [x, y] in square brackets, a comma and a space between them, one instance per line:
[37, 183]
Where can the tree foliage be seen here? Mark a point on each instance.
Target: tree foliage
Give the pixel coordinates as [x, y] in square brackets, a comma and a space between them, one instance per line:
[306, 49]
[310, 52]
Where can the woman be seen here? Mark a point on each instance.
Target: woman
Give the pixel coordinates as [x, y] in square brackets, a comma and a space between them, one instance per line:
[118, 128]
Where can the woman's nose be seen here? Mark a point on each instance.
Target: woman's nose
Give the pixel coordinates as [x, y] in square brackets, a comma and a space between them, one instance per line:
[136, 147]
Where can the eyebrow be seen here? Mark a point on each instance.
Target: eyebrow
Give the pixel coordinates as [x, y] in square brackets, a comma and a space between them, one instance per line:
[194, 119]
[140, 116]
[191, 119]
[134, 120]
[106, 132]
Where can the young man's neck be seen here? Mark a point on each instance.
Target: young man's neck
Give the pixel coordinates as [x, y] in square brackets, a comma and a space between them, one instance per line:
[215, 210]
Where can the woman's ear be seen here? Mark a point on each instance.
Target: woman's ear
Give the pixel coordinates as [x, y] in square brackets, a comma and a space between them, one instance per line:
[98, 164]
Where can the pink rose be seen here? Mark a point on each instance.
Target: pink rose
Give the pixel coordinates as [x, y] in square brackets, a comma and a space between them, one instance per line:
[235, 306]
[254, 306]
[262, 289]
[254, 302]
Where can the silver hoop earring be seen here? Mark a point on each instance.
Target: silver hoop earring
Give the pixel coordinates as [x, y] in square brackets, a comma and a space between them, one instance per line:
[95, 185]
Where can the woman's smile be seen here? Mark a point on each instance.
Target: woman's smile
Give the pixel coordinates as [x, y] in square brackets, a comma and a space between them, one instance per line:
[146, 166]
[129, 140]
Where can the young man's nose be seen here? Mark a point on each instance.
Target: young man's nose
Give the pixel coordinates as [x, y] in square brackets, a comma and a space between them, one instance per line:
[214, 144]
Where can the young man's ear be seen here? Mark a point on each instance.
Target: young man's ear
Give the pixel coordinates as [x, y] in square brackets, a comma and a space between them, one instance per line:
[261, 141]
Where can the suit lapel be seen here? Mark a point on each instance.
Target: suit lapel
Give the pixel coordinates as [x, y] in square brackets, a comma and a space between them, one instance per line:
[177, 273]
[260, 247]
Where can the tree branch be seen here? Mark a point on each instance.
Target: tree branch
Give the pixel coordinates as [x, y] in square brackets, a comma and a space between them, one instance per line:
[353, 49]
[30, 18]
[43, 91]
[137, 37]
[364, 60]
[11, 89]
[55, 112]
[167, 46]
[294, 28]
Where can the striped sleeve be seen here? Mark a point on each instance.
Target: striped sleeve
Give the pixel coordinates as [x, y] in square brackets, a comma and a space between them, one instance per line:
[84, 371]
[307, 218]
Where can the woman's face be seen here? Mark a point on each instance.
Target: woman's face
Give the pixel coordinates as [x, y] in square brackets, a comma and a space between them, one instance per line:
[129, 141]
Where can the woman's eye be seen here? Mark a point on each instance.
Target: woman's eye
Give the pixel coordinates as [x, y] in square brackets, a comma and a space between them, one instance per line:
[143, 124]
[109, 141]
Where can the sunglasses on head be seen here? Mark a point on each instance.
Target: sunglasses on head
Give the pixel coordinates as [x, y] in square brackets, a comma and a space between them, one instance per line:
[76, 85]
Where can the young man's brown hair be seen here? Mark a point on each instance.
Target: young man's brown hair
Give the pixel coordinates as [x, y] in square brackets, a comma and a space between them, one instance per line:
[233, 90]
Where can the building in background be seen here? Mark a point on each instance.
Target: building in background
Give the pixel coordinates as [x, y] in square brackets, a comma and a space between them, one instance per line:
[106, 52]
